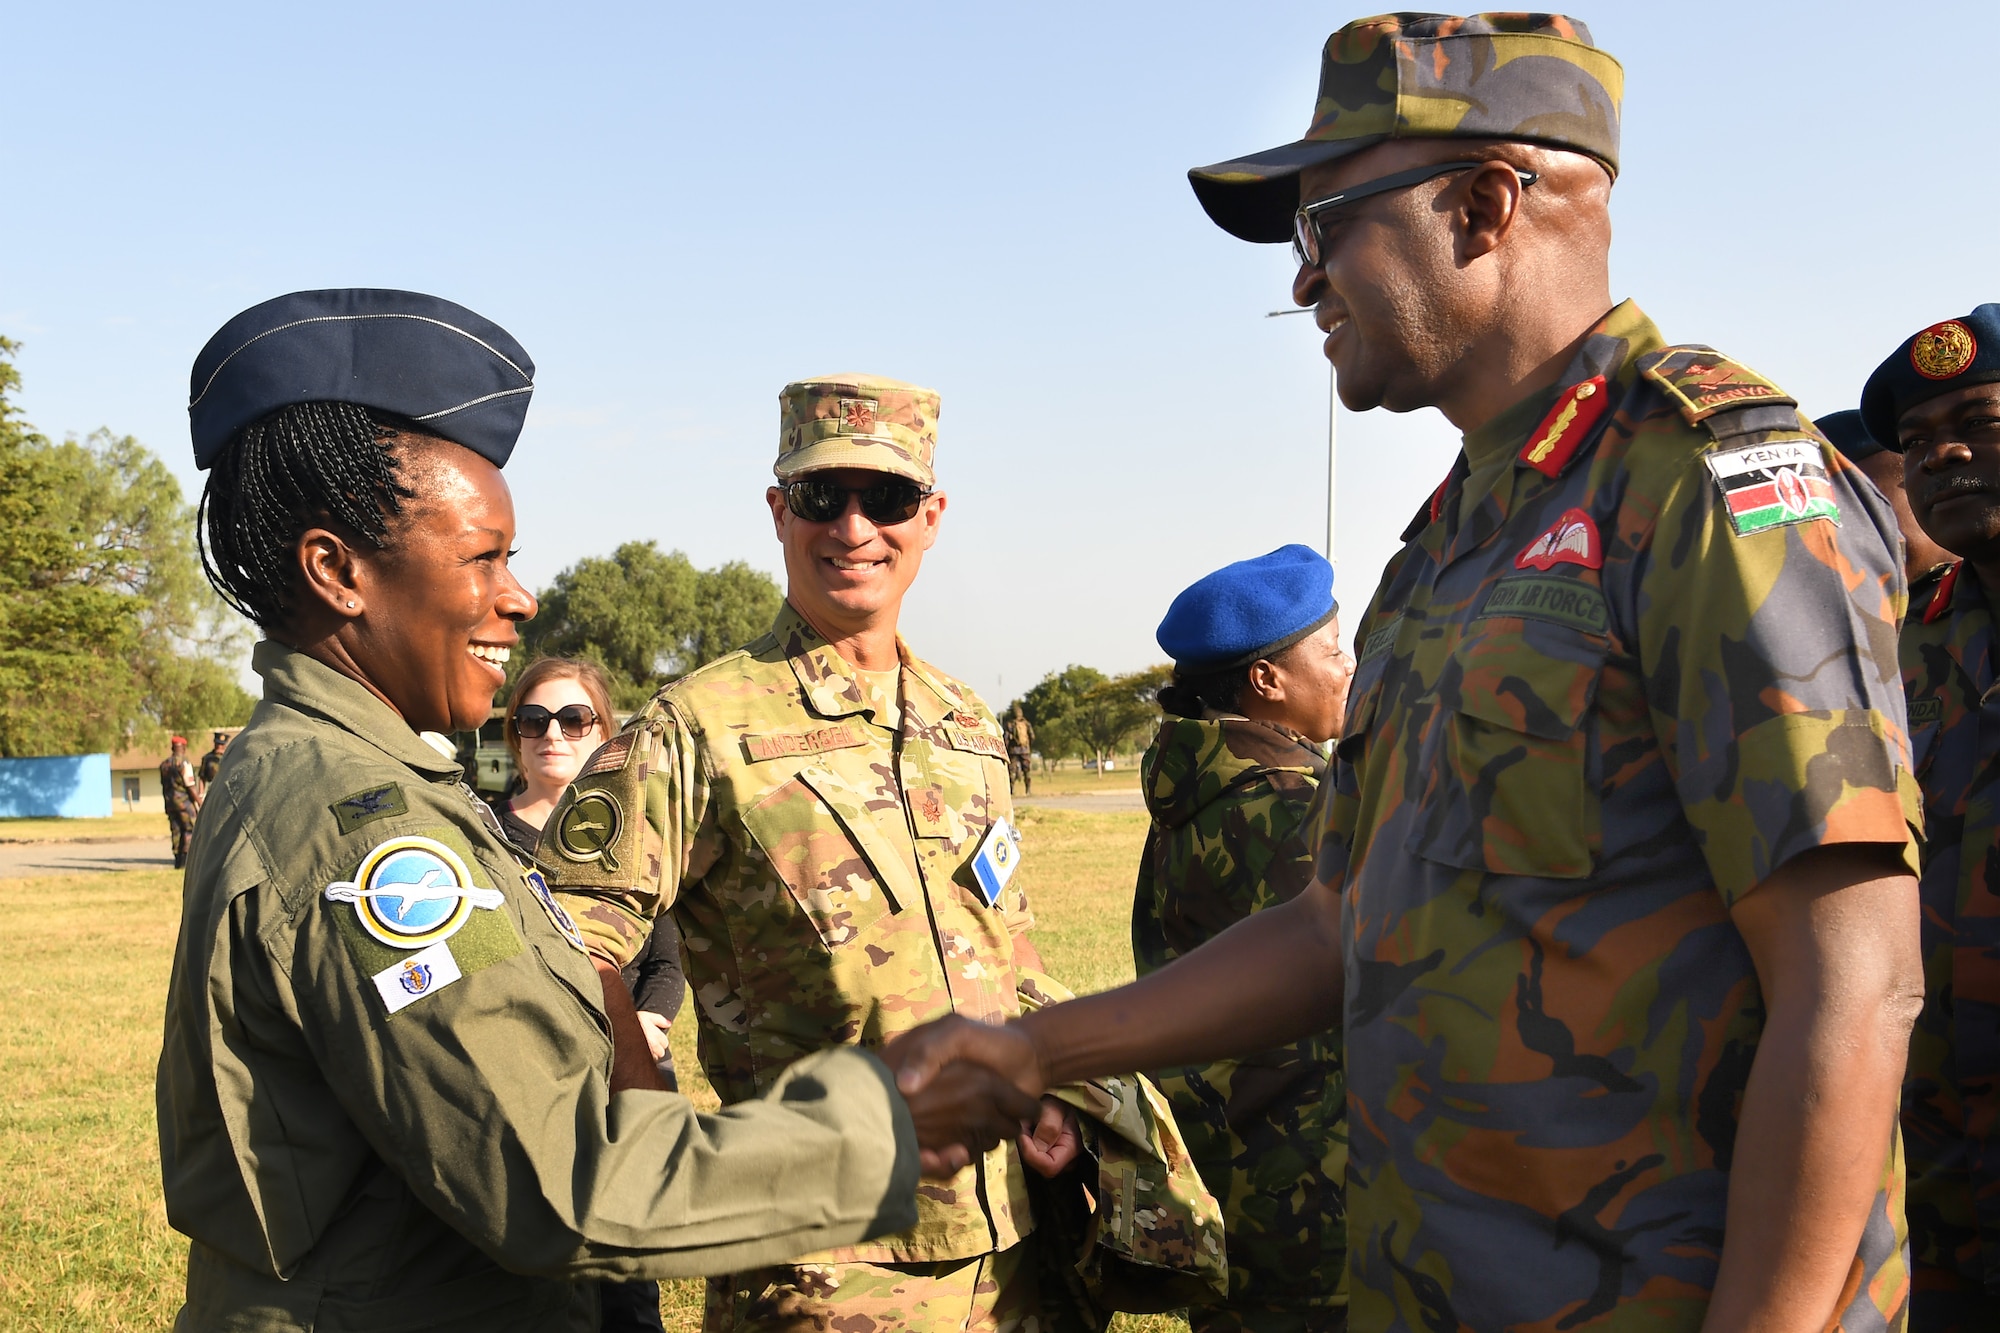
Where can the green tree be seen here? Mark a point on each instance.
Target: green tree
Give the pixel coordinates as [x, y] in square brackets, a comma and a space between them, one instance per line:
[1081, 712]
[105, 623]
[648, 616]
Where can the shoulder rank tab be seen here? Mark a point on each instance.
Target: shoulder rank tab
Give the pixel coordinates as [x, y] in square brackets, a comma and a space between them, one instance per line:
[1701, 381]
[1940, 605]
[1562, 432]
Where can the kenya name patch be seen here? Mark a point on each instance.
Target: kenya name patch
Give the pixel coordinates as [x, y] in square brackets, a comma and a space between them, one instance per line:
[1770, 485]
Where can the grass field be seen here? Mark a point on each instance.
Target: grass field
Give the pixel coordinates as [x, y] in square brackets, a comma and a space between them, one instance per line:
[111, 827]
[84, 1241]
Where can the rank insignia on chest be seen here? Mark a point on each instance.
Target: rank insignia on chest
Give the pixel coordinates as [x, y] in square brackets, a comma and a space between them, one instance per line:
[1552, 444]
[412, 892]
[1570, 540]
[1770, 485]
[996, 860]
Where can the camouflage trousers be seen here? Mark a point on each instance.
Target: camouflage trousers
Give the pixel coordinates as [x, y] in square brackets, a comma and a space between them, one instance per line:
[180, 831]
[1247, 1318]
[994, 1293]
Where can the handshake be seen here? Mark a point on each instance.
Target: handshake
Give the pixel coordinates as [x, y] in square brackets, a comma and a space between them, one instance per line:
[971, 1086]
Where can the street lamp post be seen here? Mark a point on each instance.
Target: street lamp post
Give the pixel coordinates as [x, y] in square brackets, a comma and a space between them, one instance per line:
[1332, 453]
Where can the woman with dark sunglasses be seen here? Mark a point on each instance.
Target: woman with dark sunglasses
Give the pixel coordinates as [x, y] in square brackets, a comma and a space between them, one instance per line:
[559, 712]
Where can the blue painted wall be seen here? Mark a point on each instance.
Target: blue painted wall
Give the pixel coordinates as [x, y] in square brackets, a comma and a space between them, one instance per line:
[76, 786]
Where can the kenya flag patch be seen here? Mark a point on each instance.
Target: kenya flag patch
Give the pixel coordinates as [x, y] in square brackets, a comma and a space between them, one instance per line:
[1770, 485]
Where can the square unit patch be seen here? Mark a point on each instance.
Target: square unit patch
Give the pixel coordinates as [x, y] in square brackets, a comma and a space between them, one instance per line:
[1770, 485]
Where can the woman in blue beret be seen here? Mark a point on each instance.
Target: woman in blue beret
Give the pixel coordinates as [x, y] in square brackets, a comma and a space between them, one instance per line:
[387, 1096]
[1260, 682]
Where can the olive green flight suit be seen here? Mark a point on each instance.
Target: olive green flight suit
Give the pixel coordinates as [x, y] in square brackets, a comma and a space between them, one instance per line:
[361, 1136]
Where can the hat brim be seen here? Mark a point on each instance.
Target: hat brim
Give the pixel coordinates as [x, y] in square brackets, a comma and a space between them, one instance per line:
[1253, 198]
[850, 452]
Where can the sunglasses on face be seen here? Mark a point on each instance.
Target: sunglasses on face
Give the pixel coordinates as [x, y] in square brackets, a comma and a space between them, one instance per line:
[886, 503]
[1307, 246]
[531, 721]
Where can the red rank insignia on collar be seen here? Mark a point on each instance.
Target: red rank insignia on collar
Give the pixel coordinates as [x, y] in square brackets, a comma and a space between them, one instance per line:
[1570, 540]
[1941, 599]
[1553, 443]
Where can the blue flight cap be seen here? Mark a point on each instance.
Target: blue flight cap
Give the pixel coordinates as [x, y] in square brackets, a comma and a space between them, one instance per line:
[1951, 354]
[1847, 432]
[1249, 610]
[436, 363]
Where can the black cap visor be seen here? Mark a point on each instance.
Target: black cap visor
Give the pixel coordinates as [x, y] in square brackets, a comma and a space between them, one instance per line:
[1253, 198]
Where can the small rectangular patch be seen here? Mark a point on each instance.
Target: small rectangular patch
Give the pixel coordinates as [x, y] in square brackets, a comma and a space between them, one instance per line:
[995, 862]
[610, 756]
[1923, 711]
[1381, 641]
[364, 807]
[425, 972]
[1774, 484]
[1550, 597]
[974, 742]
[782, 744]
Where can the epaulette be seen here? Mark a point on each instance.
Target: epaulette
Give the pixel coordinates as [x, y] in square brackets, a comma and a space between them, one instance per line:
[1701, 381]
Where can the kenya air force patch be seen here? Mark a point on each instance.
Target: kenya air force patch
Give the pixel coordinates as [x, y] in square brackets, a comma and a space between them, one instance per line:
[1570, 540]
[1774, 484]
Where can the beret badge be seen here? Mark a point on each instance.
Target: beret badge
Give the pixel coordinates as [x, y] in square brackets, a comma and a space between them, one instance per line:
[1943, 350]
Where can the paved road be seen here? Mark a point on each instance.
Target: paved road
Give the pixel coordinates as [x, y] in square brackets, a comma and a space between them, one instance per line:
[19, 860]
[1128, 798]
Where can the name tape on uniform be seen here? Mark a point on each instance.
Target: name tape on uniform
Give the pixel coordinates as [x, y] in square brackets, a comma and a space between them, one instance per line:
[996, 860]
[425, 972]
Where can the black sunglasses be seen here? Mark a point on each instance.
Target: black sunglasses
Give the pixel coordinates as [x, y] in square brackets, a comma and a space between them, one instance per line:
[1306, 245]
[886, 503]
[532, 721]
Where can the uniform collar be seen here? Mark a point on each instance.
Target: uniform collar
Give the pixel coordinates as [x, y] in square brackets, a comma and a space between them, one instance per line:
[833, 687]
[310, 686]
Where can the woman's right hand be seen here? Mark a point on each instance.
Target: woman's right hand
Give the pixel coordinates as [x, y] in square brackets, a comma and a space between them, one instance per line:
[657, 1027]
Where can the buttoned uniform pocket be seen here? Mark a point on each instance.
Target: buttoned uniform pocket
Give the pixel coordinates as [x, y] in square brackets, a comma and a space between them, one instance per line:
[1508, 773]
[817, 833]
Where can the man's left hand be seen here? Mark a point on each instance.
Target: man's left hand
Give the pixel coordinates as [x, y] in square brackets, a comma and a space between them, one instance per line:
[1054, 1143]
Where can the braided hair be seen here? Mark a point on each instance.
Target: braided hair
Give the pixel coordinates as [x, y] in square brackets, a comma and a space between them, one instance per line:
[302, 466]
[1188, 691]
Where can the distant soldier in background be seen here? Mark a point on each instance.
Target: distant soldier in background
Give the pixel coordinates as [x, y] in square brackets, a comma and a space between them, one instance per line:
[1020, 751]
[211, 763]
[1260, 683]
[182, 798]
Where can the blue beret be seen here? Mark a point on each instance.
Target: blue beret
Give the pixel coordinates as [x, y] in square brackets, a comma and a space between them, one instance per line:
[1953, 354]
[1248, 610]
[1849, 434]
[436, 363]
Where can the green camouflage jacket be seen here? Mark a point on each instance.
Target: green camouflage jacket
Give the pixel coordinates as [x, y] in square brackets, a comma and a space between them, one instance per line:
[814, 841]
[1229, 800]
[1649, 668]
[383, 1091]
[1951, 1092]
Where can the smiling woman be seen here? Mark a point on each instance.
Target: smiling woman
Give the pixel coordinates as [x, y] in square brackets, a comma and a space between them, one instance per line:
[382, 1029]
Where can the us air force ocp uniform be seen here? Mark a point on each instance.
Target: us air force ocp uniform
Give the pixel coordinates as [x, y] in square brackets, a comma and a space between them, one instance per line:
[383, 1097]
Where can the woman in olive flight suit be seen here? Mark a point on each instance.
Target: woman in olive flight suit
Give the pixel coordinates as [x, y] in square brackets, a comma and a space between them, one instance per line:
[386, 1098]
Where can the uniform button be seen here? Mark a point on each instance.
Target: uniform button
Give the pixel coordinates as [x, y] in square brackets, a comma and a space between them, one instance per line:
[1584, 391]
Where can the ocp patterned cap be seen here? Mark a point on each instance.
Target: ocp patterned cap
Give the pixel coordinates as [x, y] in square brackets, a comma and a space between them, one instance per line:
[453, 372]
[1532, 78]
[858, 421]
[1950, 354]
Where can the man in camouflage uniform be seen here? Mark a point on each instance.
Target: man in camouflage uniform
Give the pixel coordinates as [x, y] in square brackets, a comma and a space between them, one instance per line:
[811, 807]
[181, 796]
[211, 763]
[1615, 889]
[1229, 782]
[1936, 402]
[1021, 750]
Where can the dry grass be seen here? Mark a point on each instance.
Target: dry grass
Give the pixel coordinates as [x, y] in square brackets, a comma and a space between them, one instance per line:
[84, 1242]
[118, 826]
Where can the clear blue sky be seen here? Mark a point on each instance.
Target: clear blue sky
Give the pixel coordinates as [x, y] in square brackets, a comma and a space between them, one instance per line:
[678, 208]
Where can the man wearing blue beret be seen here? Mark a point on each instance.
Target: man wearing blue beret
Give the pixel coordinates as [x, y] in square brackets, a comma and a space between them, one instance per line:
[388, 1095]
[1936, 402]
[1259, 685]
[1615, 891]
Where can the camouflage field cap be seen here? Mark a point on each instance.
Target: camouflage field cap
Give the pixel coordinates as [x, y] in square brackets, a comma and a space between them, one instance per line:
[857, 421]
[1535, 78]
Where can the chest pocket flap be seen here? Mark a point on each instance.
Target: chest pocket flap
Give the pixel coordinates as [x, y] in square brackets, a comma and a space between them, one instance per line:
[1508, 780]
[824, 843]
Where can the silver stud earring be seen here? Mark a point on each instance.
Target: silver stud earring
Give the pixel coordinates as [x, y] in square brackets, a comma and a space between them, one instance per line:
[350, 606]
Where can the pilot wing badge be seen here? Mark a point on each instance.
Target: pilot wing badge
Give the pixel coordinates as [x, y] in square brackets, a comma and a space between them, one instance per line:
[996, 860]
[1570, 540]
[413, 892]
